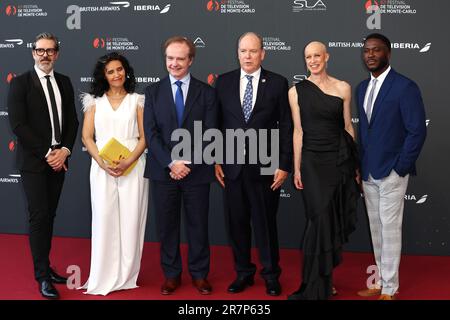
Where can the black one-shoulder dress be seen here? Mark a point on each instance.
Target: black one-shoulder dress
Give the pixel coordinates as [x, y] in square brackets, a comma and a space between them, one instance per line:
[328, 167]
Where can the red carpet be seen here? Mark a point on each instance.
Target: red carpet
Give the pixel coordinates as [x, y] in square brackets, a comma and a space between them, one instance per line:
[421, 277]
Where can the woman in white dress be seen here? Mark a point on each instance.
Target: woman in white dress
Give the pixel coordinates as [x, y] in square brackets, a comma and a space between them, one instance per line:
[119, 203]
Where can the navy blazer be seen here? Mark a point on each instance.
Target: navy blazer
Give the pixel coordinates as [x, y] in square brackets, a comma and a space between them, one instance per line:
[160, 120]
[271, 111]
[395, 135]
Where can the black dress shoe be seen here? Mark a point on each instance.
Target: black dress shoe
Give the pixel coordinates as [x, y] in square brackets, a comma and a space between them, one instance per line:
[47, 290]
[273, 287]
[56, 278]
[240, 284]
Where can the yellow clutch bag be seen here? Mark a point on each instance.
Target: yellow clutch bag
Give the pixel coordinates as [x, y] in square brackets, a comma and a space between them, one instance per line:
[114, 151]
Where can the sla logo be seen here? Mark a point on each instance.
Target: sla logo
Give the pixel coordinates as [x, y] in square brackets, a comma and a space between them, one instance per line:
[299, 77]
[308, 5]
[213, 5]
[11, 10]
[427, 122]
[355, 120]
[98, 43]
[199, 43]
[10, 76]
[212, 77]
[411, 197]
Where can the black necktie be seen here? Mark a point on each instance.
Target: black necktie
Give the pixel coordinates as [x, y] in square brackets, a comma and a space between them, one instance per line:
[56, 128]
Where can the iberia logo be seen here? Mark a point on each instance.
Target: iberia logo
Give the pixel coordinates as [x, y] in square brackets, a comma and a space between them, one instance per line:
[10, 76]
[212, 77]
[372, 3]
[98, 43]
[11, 10]
[11, 146]
[213, 5]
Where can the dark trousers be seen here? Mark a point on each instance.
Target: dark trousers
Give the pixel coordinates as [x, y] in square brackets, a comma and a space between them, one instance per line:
[42, 191]
[167, 197]
[251, 203]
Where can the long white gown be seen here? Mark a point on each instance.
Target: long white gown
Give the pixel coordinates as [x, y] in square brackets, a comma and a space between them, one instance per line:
[119, 205]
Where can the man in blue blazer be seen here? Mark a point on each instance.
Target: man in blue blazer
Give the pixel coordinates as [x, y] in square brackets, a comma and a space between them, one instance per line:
[177, 101]
[392, 131]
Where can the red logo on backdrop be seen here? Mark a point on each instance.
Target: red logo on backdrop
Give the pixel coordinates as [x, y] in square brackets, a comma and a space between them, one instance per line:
[11, 146]
[212, 5]
[98, 43]
[11, 10]
[212, 77]
[10, 76]
[372, 3]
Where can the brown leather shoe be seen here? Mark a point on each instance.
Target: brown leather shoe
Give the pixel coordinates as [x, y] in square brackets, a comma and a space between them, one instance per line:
[202, 285]
[369, 292]
[170, 285]
[386, 297]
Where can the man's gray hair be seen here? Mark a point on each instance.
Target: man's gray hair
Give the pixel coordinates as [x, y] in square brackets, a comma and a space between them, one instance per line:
[254, 34]
[48, 36]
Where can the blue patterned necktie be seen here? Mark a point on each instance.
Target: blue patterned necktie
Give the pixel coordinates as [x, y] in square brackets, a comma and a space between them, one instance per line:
[248, 97]
[179, 102]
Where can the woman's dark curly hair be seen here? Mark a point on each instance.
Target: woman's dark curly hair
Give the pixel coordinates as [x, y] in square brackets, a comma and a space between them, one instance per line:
[100, 85]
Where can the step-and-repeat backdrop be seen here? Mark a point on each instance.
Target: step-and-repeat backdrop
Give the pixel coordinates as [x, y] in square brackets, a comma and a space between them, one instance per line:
[137, 28]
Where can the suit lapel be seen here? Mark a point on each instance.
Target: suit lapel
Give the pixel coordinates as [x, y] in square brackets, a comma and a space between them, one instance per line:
[166, 90]
[235, 95]
[63, 97]
[361, 95]
[38, 87]
[193, 92]
[260, 93]
[387, 84]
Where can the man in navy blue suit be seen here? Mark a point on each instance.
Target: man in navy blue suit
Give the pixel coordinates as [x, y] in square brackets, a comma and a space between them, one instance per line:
[176, 102]
[392, 131]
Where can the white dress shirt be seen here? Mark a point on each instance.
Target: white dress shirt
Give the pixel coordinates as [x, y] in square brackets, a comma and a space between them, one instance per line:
[41, 74]
[184, 88]
[243, 84]
[380, 80]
